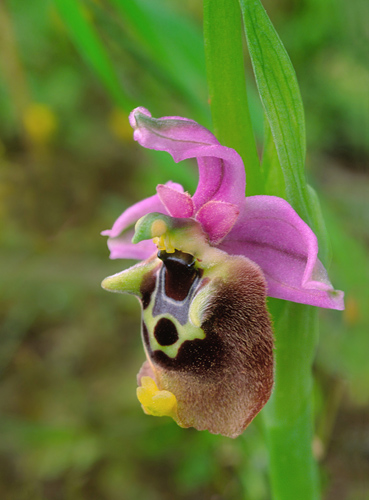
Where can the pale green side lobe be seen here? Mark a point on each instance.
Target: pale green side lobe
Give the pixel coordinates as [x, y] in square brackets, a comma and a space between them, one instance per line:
[129, 281]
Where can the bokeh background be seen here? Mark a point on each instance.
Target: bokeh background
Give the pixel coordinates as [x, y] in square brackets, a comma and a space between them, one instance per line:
[70, 72]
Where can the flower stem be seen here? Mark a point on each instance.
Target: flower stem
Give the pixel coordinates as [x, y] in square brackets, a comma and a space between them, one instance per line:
[227, 85]
[288, 415]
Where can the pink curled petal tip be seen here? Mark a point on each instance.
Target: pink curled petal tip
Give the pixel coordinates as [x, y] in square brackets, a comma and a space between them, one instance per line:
[221, 170]
[270, 232]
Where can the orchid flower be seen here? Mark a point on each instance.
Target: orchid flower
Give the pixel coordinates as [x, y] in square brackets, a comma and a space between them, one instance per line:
[208, 261]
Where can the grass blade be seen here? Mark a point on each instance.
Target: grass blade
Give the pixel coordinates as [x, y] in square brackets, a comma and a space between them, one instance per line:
[91, 48]
[280, 95]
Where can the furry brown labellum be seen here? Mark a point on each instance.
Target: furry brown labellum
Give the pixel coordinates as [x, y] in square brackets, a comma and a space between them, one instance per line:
[205, 328]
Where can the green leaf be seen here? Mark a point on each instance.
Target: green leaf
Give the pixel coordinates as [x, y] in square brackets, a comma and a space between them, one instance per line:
[274, 179]
[280, 95]
[91, 48]
[173, 43]
[227, 85]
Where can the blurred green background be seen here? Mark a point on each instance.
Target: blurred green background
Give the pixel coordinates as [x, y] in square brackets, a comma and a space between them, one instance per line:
[70, 72]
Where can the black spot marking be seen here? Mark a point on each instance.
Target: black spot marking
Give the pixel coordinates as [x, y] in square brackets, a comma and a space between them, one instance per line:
[238, 334]
[206, 357]
[201, 356]
[165, 332]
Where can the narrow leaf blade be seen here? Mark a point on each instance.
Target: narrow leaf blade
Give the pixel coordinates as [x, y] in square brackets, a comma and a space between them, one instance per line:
[173, 43]
[89, 45]
[280, 95]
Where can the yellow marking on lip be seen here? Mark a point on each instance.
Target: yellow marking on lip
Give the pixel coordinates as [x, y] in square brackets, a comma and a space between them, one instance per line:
[155, 402]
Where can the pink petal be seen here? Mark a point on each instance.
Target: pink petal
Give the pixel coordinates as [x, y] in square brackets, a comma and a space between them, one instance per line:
[217, 219]
[123, 248]
[269, 232]
[170, 133]
[221, 170]
[133, 213]
[221, 176]
[178, 204]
